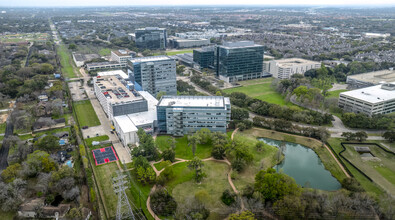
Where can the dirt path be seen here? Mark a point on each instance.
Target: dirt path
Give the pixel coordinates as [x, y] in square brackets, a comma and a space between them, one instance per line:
[233, 133]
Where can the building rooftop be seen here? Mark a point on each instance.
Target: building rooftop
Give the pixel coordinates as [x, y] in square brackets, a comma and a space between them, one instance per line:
[151, 29]
[122, 53]
[125, 123]
[149, 59]
[373, 94]
[114, 90]
[103, 64]
[376, 77]
[194, 101]
[294, 61]
[240, 44]
[114, 73]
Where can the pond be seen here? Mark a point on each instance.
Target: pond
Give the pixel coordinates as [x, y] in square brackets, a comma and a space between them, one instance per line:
[304, 165]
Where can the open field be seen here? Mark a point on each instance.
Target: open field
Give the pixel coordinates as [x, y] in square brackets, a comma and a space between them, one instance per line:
[380, 169]
[335, 94]
[66, 62]
[262, 160]
[325, 156]
[171, 53]
[260, 89]
[86, 114]
[182, 149]
[105, 51]
[369, 186]
[99, 138]
[210, 189]
[16, 38]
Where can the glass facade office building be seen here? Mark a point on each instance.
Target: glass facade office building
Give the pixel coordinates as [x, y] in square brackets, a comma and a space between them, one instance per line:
[204, 57]
[235, 61]
[151, 38]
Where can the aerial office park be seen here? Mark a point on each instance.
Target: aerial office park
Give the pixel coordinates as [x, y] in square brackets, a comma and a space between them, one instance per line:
[197, 113]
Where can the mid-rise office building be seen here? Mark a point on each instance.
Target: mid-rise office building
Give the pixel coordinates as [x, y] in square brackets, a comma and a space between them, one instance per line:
[235, 61]
[285, 68]
[104, 66]
[117, 96]
[180, 115]
[151, 38]
[204, 57]
[176, 42]
[371, 78]
[122, 56]
[154, 74]
[379, 99]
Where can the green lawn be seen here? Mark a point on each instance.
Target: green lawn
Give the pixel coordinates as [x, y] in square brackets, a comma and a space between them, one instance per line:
[171, 53]
[260, 89]
[2, 127]
[262, 160]
[86, 114]
[52, 131]
[370, 187]
[335, 94]
[7, 215]
[66, 62]
[182, 149]
[99, 138]
[210, 188]
[105, 51]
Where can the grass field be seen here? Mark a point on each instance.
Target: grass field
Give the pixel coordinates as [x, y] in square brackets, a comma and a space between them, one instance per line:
[2, 127]
[105, 51]
[66, 62]
[370, 187]
[335, 94]
[381, 169]
[210, 188]
[182, 149]
[99, 138]
[262, 160]
[86, 114]
[15, 38]
[260, 89]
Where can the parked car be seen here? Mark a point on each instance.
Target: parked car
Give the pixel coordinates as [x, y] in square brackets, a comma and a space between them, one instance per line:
[85, 127]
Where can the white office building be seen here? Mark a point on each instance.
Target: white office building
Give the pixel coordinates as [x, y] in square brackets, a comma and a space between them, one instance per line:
[285, 68]
[379, 99]
[122, 56]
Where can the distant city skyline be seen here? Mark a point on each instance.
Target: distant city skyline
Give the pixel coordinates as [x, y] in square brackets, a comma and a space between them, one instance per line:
[65, 3]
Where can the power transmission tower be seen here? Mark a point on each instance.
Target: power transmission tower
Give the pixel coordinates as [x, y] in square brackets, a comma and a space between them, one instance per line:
[124, 210]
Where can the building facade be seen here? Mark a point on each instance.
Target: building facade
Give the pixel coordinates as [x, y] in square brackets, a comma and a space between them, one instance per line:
[204, 57]
[151, 38]
[155, 74]
[235, 61]
[180, 115]
[122, 56]
[285, 68]
[104, 66]
[379, 99]
[187, 43]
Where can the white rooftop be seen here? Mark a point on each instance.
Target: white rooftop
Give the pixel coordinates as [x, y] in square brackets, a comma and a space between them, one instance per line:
[149, 59]
[373, 94]
[194, 101]
[125, 124]
[240, 44]
[293, 62]
[113, 73]
[152, 101]
[143, 118]
[375, 77]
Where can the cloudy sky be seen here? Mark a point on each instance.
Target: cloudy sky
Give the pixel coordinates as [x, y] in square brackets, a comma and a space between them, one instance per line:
[50, 3]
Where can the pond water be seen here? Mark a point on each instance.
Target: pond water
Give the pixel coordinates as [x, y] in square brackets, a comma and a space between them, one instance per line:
[304, 165]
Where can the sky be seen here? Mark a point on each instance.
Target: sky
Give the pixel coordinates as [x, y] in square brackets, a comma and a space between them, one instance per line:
[58, 3]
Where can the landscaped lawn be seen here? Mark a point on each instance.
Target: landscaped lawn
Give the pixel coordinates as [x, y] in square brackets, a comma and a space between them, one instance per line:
[210, 188]
[182, 149]
[365, 183]
[260, 89]
[86, 114]
[171, 53]
[262, 160]
[99, 138]
[335, 94]
[105, 51]
[66, 62]
[2, 127]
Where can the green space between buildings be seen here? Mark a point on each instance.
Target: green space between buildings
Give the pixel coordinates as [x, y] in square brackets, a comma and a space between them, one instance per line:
[86, 114]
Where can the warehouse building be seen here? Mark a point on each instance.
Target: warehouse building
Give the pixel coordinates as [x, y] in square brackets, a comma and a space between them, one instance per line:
[371, 78]
[180, 115]
[285, 68]
[127, 126]
[379, 99]
[176, 42]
